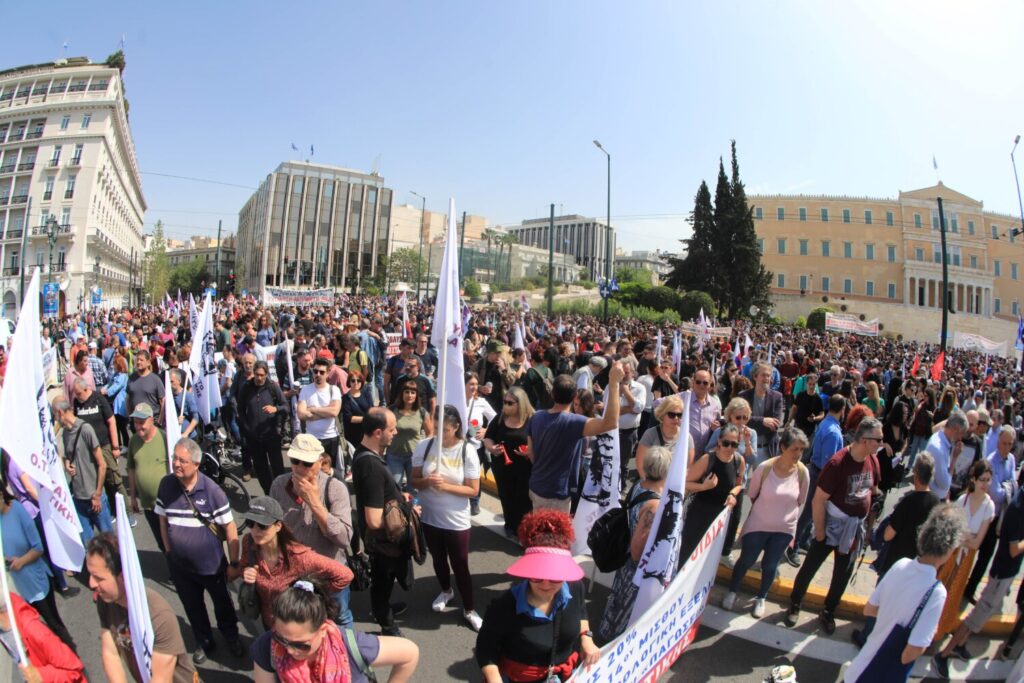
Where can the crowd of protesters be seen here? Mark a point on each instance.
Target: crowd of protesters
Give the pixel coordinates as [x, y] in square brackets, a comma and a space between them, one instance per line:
[334, 410]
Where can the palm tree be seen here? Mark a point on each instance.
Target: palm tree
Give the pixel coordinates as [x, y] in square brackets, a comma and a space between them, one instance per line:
[489, 235]
[510, 240]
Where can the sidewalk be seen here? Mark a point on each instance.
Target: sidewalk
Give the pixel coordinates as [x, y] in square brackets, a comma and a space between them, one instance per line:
[806, 638]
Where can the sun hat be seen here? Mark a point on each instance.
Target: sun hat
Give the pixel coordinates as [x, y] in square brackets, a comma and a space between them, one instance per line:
[546, 563]
[305, 447]
[599, 361]
[264, 510]
[984, 417]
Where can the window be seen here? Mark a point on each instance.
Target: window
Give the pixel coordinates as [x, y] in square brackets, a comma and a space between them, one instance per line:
[803, 247]
[780, 245]
[935, 219]
[76, 159]
[997, 268]
[869, 252]
[780, 281]
[14, 265]
[954, 257]
[970, 227]
[867, 217]
[824, 215]
[936, 254]
[892, 290]
[69, 190]
[826, 248]
[847, 249]
[55, 159]
[869, 288]
[803, 213]
[826, 282]
[889, 218]
[780, 213]
[39, 258]
[48, 190]
[954, 222]
[758, 213]
[1015, 308]
[974, 262]
[917, 220]
[919, 254]
[760, 246]
[803, 283]
[890, 253]
[847, 286]
[846, 215]
[995, 232]
[65, 216]
[86, 120]
[65, 122]
[1013, 271]
[997, 304]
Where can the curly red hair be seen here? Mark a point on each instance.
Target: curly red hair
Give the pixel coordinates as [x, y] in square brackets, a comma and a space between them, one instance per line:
[856, 414]
[547, 528]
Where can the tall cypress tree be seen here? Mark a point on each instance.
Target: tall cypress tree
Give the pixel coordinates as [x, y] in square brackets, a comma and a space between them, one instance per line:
[696, 270]
[749, 279]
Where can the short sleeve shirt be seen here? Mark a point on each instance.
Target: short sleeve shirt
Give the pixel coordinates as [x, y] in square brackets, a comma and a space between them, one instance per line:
[849, 483]
[166, 635]
[95, 411]
[149, 461]
[193, 545]
[554, 437]
[457, 464]
[80, 444]
[374, 484]
[327, 427]
[1012, 531]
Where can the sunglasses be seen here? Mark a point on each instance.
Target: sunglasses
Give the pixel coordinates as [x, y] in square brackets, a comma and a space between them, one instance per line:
[729, 444]
[741, 418]
[511, 403]
[320, 372]
[355, 381]
[300, 463]
[675, 416]
[299, 645]
[262, 527]
[701, 382]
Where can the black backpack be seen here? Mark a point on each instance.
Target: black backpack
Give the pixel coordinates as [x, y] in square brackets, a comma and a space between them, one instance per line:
[609, 537]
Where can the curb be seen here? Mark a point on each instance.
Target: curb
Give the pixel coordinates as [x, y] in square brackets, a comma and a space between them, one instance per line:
[849, 607]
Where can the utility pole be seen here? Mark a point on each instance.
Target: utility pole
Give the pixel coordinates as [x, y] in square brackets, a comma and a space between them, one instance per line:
[551, 262]
[462, 247]
[24, 245]
[131, 277]
[945, 278]
[216, 281]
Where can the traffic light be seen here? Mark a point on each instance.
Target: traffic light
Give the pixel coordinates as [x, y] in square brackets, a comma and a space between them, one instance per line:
[231, 282]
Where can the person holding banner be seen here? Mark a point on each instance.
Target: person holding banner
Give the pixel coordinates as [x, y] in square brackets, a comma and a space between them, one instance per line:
[170, 663]
[538, 630]
[641, 507]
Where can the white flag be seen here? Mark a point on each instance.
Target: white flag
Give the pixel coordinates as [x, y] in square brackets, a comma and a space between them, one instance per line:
[205, 386]
[677, 351]
[172, 428]
[193, 316]
[660, 559]
[657, 350]
[600, 488]
[139, 623]
[26, 432]
[447, 333]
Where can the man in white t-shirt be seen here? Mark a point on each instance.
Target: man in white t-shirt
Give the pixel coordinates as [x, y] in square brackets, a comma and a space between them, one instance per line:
[319, 405]
[902, 590]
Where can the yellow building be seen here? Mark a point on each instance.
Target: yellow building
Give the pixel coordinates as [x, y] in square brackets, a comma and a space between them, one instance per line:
[881, 258]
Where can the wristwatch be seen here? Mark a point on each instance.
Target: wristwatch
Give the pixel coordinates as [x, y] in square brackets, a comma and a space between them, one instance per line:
[588, 634]
[234, 564]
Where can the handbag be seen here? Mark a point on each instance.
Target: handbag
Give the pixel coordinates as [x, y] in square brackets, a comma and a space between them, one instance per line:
[248, 598]
[887, 664]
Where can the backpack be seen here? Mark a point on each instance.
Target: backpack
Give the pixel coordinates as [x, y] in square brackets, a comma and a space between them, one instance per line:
[539, 385]
[609, 537]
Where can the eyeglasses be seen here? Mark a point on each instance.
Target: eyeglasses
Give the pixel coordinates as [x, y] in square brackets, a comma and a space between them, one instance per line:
[674, 416]
[729, 444]
[300, 463]
[354, 381]
[320, 372]
[701, 382]
[299, 645]
[872, 438]
[741, 418]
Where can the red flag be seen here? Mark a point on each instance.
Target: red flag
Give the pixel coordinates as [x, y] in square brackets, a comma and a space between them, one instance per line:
[917, 365]
[940, 360]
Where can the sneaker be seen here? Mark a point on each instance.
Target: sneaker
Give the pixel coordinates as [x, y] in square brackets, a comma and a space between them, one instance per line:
[791, 616]
[441, 601]
[399, 608]
[793, 558]
[236, 648]
[758, 610]
[474, 619]
[729, 601]
[392, 631]
[858, 638]
[474, 508]
[961, 652]
[198, 657]
[941, 666]
[133, 521]
[70, 591]
[828, 621]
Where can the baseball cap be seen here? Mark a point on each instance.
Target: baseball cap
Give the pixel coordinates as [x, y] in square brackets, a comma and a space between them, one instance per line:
[306, 447]
[264, 510]
[142, 411]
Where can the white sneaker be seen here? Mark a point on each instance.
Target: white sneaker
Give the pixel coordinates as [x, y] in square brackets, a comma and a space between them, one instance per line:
[441, 601]
[758, 610]
[474, 619]
[728, 601]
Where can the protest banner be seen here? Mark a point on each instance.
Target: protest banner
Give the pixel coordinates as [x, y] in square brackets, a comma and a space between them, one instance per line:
[50, 378]
[847, 323]
[393, 339]
[655, 641]
[277, 296]
[975, 342]
[140, 625]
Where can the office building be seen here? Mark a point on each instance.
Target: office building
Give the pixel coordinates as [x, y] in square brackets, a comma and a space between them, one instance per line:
[584, 240]
[218, 258]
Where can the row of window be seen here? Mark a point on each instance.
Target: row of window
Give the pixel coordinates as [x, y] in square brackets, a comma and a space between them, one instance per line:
[952, 219]
[30, 130]
[55, 87]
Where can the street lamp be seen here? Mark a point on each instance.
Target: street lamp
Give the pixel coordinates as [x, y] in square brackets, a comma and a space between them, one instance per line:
[608, 228]
[52, 229]
[419, 262]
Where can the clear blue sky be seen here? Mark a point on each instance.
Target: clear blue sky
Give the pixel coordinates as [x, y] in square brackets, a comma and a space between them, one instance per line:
[496, 104]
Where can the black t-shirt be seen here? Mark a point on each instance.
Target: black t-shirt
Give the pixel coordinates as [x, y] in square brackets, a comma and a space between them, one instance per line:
[907, 517]
[373, 483]
[514, 440]
[1012, 531]
[807, 405]
[95, 411]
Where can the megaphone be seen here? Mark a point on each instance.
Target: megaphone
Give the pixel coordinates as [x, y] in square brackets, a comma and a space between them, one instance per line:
[754, 310]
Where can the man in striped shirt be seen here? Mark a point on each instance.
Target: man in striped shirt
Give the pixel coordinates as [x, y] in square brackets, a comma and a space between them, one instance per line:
[195, 520]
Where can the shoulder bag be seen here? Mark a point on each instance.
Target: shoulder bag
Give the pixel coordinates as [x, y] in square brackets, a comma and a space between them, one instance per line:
[212, 526]
[248, 597]
[887, 664]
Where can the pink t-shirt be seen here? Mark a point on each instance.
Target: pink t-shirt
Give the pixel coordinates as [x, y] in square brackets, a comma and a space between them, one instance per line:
[777, 504]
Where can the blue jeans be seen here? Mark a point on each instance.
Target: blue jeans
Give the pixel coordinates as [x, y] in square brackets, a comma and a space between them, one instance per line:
[773, 544]
[400, 466]
[917, 444]
[90, 519]
[342, 597]
[803, 527]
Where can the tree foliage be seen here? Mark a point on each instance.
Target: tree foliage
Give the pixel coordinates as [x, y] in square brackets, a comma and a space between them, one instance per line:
[816, 320]
[642, 275]
[191, 276]
[405, 264]
[722, 256]
[157, 265]
[471, 288]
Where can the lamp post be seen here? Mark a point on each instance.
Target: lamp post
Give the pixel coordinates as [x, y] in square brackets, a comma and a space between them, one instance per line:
[419, 262]
[608, 228]
[51, 236]
[1016, 179]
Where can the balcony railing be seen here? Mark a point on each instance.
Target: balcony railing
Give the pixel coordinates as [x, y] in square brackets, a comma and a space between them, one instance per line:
[59, 268]
[27, 166]
[16, 135]
[7, 168]
[75, 161]
[34, 135]
[43, 230]
[53, 163]
[19, 199]
[14, 234]
[12, 270]
[69, 194]
[48, 195]
[4, 200]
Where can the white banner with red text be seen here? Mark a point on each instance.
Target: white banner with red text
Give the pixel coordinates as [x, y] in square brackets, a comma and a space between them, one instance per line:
[276, 296]
[836, 322]
[654, 642]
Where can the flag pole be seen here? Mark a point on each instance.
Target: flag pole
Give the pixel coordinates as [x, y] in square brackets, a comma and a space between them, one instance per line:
[10, 614]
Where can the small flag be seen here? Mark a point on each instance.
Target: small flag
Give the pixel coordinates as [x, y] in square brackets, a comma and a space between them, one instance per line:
[294, 147]
[311, 150]
[935, 164]
[1019, 345]
[937, 366]
[916, 366]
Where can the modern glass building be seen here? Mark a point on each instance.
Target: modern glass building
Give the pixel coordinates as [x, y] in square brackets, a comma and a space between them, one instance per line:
[312, 226]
